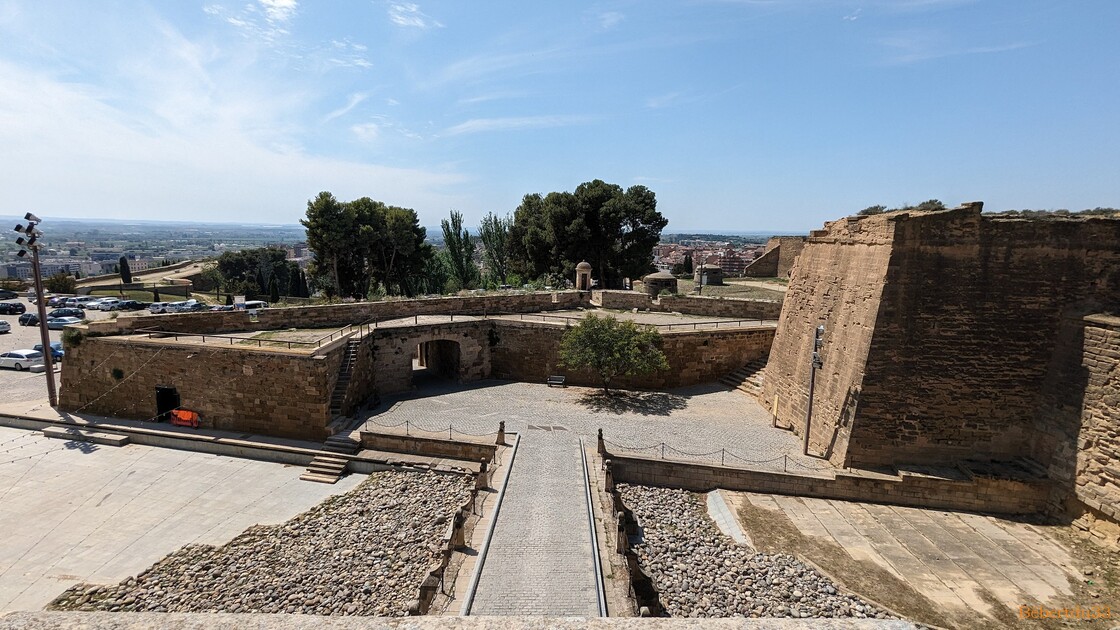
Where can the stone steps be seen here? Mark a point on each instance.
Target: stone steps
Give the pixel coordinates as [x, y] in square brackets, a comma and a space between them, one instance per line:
[342, 444]
[85, 435]
[747, 379]
[325, 469]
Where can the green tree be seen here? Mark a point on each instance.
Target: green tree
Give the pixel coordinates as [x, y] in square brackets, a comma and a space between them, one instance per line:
[330, 233]
[460, 251]
[273, 290]
[61, 282]
[126, 271]
[612, 348]
[155, 295]
[613, 229]
[494, 234]
[293, 284]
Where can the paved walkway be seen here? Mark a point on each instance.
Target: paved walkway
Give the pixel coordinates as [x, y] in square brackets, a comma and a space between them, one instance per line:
[540, 558]
[77, 512]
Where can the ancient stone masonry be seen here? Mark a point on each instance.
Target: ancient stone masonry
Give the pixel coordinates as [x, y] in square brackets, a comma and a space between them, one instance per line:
[941, 331]
[777, 259]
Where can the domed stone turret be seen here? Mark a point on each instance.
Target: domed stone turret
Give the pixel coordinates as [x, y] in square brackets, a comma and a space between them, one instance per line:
[655, 283]
[583, 276]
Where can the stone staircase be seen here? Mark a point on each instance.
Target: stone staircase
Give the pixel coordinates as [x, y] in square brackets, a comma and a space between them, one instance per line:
[338, 396]
[328, 467]
[747, 379]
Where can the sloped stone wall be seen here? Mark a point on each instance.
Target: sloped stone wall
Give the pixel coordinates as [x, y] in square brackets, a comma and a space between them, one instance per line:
[837, 282]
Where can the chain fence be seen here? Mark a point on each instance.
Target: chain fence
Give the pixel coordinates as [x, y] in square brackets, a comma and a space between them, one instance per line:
[426, 429]
[721, 457]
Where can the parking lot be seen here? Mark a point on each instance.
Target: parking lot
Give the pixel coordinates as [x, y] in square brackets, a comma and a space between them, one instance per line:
[23, 386]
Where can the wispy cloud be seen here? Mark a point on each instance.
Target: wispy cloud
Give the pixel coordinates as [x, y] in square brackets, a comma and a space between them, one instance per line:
[920, 45]
[852, 17]
[367, 132]
[480, 125]
[279, 10]
[610, 19]
[351, 103]
[409, 15]
[492, 96]
[663, 100]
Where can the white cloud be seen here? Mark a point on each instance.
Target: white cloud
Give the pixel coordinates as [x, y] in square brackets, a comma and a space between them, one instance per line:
[919, 45]
[409, 14]
[279, 10]
[351, 103]
[610, 19]
[367, 132]
[479, 125]
[664, 100]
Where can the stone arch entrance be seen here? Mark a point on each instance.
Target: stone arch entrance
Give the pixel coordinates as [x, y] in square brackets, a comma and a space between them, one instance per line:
[437, 359]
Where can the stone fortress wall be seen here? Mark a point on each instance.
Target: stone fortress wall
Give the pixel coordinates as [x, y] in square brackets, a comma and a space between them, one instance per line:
[114, 368]
[952, 336]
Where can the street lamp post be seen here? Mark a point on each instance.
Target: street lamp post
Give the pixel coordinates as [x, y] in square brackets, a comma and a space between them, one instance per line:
[29, 243]
[816, 365]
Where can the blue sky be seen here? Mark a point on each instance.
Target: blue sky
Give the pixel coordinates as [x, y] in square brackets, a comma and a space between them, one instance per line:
[739, 114]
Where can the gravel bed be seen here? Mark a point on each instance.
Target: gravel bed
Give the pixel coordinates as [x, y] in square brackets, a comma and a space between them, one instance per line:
[699, 572]
[360, 553]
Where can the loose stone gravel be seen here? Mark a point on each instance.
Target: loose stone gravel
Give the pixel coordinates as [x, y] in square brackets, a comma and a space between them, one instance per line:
[360, 553]
[699, 572]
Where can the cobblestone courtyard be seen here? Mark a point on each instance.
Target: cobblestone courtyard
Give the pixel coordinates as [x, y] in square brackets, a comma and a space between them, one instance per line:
[702, 424]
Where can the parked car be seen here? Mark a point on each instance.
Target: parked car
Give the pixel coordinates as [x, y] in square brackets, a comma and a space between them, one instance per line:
[56, 301]
[58, 323]
[186, 306]
[6, 294]
[66, 312]
[28, 319]
[253, 305]
[21, 359]
[159, 307]
[57, 353]
[5, 327]
[222, 307]
[108, 304]
[12, 308]
[132, 305]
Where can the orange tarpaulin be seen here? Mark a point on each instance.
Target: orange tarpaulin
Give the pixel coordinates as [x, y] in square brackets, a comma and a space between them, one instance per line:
[184, 418]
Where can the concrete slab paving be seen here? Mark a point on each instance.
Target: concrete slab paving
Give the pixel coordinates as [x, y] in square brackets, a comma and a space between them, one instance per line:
[78, 512]
[960, 561]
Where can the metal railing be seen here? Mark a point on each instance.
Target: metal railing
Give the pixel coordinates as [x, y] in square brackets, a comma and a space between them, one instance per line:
[728, 323]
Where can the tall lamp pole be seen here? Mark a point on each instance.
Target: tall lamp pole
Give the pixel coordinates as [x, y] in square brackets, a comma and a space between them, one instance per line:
[32, 233]
[817, 364]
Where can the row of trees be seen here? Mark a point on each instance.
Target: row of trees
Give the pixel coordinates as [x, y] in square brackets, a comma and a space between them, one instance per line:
[257, 273]
[364, 248]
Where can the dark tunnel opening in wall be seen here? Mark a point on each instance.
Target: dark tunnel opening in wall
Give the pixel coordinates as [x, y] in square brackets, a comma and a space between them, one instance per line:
[434, 361]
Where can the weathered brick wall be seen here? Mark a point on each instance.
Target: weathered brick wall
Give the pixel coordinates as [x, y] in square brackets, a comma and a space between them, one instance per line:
[968, 324]
[624, 300]
[837, 282]
[245, 390]
[721, 307]
[391, 351]
[1078, 424]
[527, 351]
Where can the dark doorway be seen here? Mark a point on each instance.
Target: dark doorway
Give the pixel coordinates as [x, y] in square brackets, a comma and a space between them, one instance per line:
[435, 361]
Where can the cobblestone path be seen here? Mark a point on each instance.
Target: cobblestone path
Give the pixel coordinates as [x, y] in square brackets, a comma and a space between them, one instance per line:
[540, 558]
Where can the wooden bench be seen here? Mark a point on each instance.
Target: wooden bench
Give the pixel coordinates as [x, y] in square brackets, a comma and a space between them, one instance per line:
[555, 380]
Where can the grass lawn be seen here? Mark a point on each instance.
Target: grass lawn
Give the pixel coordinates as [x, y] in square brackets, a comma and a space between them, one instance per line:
[732, 290]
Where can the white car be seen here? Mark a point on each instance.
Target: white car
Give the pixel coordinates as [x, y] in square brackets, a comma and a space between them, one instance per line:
[108, 304]
[21, 359]
[5, 326]
[159, 307]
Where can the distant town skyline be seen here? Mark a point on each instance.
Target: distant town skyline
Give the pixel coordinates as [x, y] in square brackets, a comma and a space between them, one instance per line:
[741, 115]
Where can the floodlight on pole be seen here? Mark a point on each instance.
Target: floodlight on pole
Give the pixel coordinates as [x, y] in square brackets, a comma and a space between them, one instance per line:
[29, 243]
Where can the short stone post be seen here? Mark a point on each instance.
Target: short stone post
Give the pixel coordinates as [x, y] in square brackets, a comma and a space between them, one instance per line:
[458, 532]
[482, 479]
[502, 433]
[621, 543]
[609, 476]
[600, 444]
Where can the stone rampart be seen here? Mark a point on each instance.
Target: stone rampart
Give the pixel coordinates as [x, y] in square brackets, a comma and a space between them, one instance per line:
[427, 446]
[978, 494]
[247, 390]
[940, 328]
[690, 305]
[529, 351]
[339, 315]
